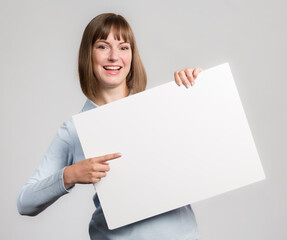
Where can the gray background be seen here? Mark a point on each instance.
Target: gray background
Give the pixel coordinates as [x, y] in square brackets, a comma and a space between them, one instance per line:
[39, 90]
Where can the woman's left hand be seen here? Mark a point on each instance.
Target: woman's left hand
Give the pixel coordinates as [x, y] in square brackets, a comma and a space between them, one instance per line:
[186, 76]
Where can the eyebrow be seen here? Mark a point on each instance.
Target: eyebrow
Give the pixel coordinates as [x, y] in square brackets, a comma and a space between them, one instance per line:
[109, 43]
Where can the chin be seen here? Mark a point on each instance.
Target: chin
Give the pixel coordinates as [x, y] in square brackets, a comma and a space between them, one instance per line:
[112, 84]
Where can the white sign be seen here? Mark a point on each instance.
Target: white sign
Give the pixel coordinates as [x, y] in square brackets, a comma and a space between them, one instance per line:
[178, 146]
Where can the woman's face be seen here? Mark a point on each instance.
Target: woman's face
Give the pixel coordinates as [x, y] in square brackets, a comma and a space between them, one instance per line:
[111, 61]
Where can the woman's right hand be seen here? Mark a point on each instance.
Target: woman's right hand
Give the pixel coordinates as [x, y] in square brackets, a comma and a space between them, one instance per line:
[88, 171]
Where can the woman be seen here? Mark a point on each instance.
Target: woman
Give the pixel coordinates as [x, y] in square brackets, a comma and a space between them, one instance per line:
[110, 68]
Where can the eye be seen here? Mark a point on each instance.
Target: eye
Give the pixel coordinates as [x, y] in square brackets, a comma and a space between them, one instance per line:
[101, 47]
[125, 48]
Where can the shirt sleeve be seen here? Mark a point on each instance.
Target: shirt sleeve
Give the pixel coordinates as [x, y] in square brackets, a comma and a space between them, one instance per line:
[46, 184]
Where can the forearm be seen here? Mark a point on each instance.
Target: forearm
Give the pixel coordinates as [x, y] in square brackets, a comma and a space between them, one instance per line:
[36, 196]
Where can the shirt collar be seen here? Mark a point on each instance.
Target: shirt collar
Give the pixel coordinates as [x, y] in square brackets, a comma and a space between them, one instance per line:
[89, 105]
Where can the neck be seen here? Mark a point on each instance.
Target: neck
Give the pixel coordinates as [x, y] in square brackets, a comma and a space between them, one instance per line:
[104, 96]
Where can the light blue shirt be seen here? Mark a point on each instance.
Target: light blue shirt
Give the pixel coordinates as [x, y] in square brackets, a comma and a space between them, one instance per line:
[46, 186]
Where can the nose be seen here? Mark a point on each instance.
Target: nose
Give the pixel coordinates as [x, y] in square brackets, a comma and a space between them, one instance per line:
[113, 55]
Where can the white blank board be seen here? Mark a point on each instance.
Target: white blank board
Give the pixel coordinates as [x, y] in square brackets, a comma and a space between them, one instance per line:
[178, 146]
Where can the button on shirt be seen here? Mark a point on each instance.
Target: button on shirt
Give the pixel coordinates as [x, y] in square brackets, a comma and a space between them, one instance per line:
[46, 186]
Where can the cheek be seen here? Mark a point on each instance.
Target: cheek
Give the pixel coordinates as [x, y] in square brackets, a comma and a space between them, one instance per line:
[98, 57]
[95, 60]
[128, 59]
[96, 65]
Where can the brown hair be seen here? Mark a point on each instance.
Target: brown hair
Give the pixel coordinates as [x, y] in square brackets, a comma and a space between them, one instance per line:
[99, 28]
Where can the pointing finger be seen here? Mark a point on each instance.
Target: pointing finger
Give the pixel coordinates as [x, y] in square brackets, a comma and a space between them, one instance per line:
[107, 157]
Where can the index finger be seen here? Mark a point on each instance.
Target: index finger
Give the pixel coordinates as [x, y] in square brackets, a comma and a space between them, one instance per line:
[196, 71]
[107, 157]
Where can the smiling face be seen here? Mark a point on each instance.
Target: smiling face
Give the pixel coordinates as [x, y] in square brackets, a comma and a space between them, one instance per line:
[111, 61]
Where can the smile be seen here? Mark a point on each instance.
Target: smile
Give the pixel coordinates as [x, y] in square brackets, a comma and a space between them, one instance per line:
[112, 67]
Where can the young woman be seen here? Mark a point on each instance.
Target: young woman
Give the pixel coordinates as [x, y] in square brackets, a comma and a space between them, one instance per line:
[110, 68]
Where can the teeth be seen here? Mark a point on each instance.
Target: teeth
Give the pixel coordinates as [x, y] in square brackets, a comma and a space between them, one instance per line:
[112, 68]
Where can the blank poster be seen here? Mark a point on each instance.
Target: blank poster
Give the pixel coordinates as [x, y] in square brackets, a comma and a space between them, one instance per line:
[178, 146]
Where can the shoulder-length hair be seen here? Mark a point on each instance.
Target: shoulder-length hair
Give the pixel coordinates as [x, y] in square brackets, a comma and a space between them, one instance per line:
[99, 28]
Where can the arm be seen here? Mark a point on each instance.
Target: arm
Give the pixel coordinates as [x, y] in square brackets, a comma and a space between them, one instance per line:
[57, 173]
[46, 185]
